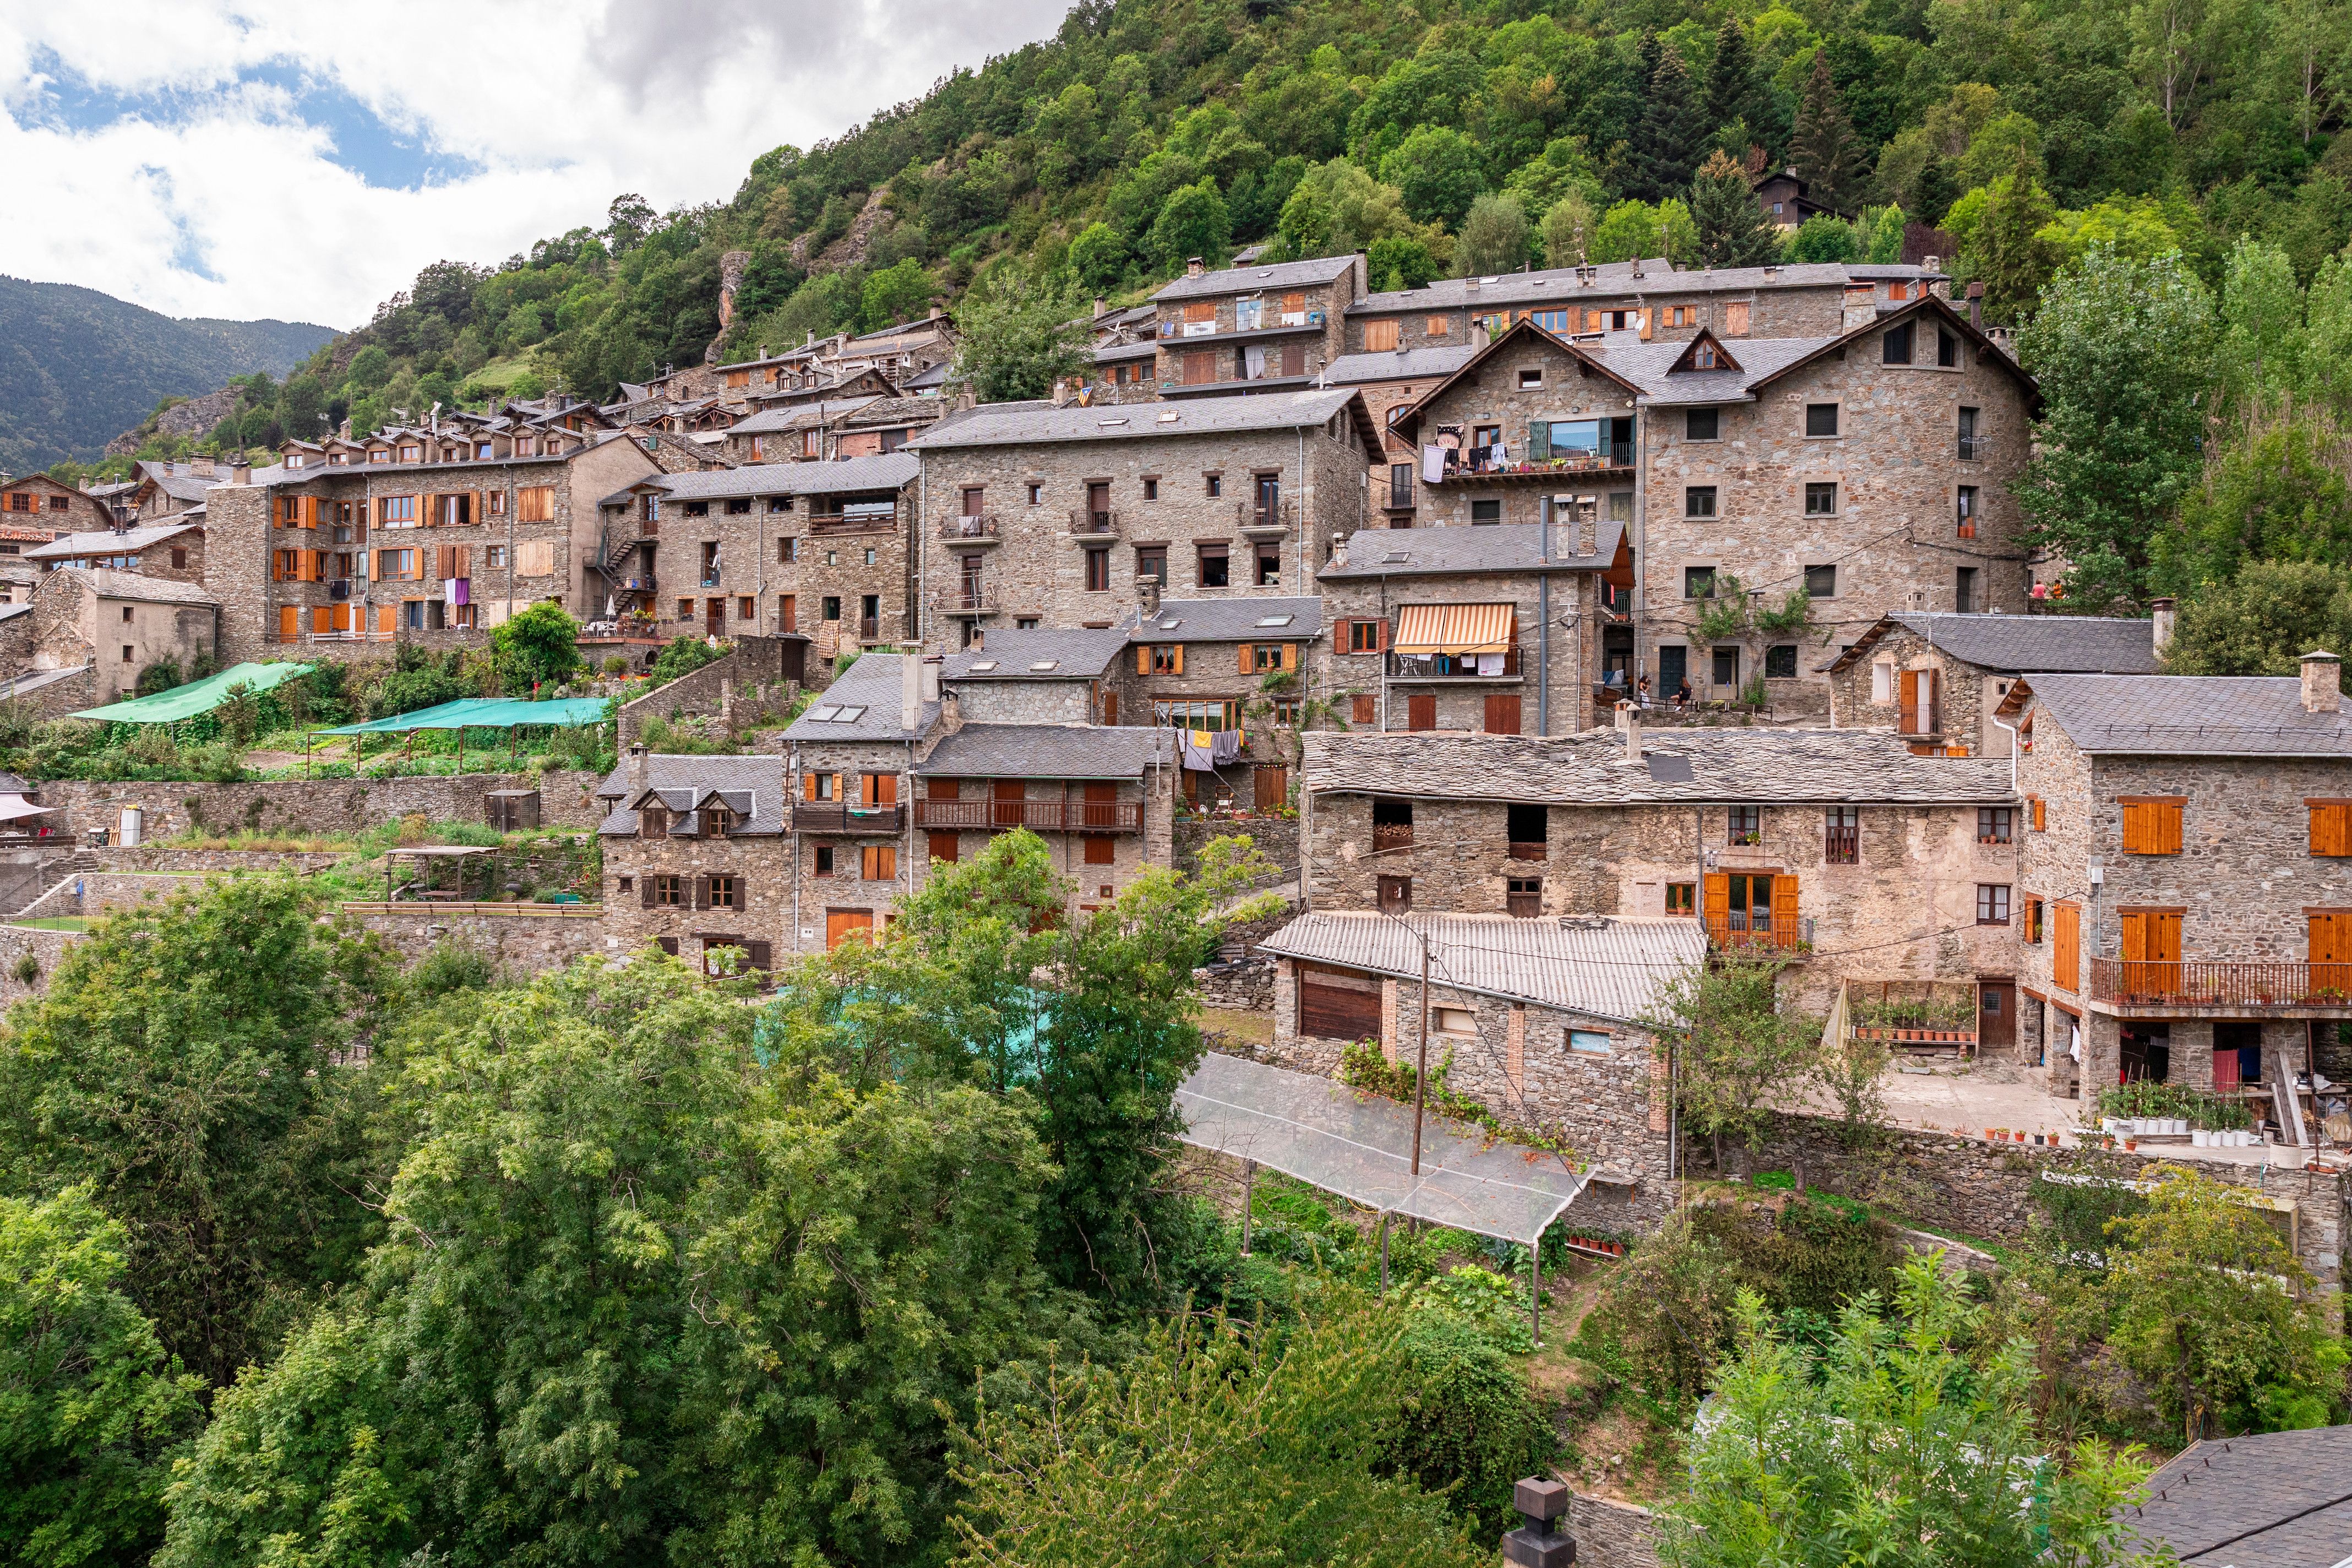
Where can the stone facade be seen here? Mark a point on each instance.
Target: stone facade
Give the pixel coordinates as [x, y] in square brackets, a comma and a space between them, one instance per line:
[1097, 865]
[116, 625]
[177, 557]
[754, 662]
[1263, 327]
[169, 808]
[833, 882]
[521, 939]
[640, 911]
[1868, 695]
[40, 502]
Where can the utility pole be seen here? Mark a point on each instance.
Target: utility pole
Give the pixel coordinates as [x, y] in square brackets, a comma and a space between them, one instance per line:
[1421, 1060]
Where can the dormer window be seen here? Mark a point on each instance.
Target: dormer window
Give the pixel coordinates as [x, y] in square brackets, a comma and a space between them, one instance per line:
[294, 460]
[1704, 357]
[410, 453]
[716, 821]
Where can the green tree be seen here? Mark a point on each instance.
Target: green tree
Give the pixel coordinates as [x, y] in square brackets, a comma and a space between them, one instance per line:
[370, 368]
[301, 405]
[2008, 253]
[1732, 230]
[93, 1409]
[899, 293]
[188, 1060]
[2262, 344]
[2276, 496]
[1673, 134]
[2124, 353]
[537, 648]
[1495, 238]
[1437, 171]
[1736, 92]
[1400, 261]
[2262, 620]
[1236, 1447]
[1100, 258]
[2198, 1311]
[1822, 237]
[1890, 1445]
[1018, 336]
[1822, 149]
[1193, 222]
[1568, 231]
[1738, 1040]
[1467, 1425]
[1638, 231]
[1339, 208]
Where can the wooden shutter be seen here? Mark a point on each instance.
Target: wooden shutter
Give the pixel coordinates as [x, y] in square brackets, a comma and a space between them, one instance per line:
[1718, 901]
[1142, 658]
[944, 847]
[1539, 441]
[2330, 948]
[1931, 702]
[1365, 708]
[1176, 664]
[1339, 1005]
[1290, 656]
[289, 623]
[2331, 827]
[1907, 716]
[1111, 708]
[445, 560]
[2040, 820]
[1503, 714]
[1421, 711]
[942, 789]
[322, 618]
[2151, 825]
[761, 954]
[645, 890]
[703, 892]
[2065, 945]
[1785, 919]
[1249, 659]
[461, 556]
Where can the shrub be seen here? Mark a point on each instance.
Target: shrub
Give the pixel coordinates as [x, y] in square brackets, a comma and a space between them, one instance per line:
[683, 656]
[1465, 1421]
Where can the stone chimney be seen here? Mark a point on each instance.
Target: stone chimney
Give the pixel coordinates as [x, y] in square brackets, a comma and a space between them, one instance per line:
[640, 774]
[2321, 692]
[1976, 305]
[1101, 310]
[201, 466]
[240, 472]
[1061, 393]
[1629, 720]
[2165, 617]
[1539, 1542]
[932, 663]
[910, 692]
[1194, 267]
[1147, 596]
[936, 312]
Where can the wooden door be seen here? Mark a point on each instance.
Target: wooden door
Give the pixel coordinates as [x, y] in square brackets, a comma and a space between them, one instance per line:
[1396, 895]
[1503, 714]
[841, 925]
[289, 624]
[1421, 712]
[1996, 1013]
[1339, 1005]
[2151, 952]
[2330, 950]
[714, 617]
[1011, 797]
[1101, 807]
[2067, 946]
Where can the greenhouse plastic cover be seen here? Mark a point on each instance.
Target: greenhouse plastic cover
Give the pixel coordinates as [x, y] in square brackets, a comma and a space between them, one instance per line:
[484, 713]
[1360, 1146]
[197, 696]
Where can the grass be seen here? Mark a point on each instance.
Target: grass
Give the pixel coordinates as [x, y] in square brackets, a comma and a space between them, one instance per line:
[57, 922]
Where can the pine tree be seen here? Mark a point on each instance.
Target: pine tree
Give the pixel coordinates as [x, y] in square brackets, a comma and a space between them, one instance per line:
[1731, 227]
[1823, 149]
[2011, 260]
[1734, 90]
[1673, 133]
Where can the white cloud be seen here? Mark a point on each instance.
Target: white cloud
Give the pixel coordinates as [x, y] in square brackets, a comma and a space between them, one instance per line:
[181, 155]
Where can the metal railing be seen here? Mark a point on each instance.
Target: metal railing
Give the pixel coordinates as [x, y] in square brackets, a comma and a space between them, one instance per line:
[1037, 815]
[2203, 983]
[956, 528]
[1453, 665]
[1735, 930]
[1249, 513]
[849, 820]
[971, 599]
[1085, 522]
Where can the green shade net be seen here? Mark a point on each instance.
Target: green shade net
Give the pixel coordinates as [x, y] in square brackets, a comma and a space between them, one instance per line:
[483, 713]
[197, 696]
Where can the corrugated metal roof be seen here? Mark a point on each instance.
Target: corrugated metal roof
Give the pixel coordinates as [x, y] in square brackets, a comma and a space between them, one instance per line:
[1611, 966]
[2190, 715]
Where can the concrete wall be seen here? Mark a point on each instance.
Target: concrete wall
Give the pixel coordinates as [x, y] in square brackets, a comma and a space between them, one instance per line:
[292, 806]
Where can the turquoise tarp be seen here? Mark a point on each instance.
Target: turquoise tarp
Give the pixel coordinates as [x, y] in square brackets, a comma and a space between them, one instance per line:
[196, 697]
[484, 713]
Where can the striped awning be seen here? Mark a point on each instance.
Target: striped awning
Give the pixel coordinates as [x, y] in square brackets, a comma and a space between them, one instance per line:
[1455, 628]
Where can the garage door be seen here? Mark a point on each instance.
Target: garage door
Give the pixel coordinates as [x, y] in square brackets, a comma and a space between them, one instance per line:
[1338, 1004]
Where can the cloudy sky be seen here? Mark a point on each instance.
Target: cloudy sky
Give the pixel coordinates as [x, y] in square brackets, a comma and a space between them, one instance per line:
[303, 161]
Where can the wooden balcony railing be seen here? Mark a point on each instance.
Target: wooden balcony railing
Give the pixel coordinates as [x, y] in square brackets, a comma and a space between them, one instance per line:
[2202, 983]
[1036, 816]
[849, 820]
[1736, 931]
[1841, 846]
[1451, 666]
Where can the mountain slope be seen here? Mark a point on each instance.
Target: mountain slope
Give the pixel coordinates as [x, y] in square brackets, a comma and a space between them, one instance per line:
[77, 366]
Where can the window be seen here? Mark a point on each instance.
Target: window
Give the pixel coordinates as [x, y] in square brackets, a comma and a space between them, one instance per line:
[1379, 337]
[535, 504]
[1698, 501]
[1036, 493]
[787, 552]
[1698, 582]
[1366, 637]
[738, 506]
[1747, 823]
[179, 559]
[832, 606]
[1967, 432]
[1438, 326]
[1163, 658]
[1841, 835]
[747, 608]
[1151, 489]
[126, 615]
[686, 609]
[1965, 508]
[1820, 499]
[1269, 566]
[1995, 823]
[824, 864]
[1485, 511]
[669, 892]
[1821, 418]
[1681, 897]
[726, 892]
[1726, 666]
[1821, 582]
[1992, 903]
[1101, 850]
[1701, 424]
[1895, 346]
[1097, 571]
[1151, 561]
[878, 862]
[494, 558]
[1214, 569]
[2032, 919]
[1780, 661]
[1454, 1020]
[1215, 485]
[2036, 814]
[1523, 897]
[1531, 380]
[2151, 824]
[1947, 348]
[780, 503]
[396, 511]
[1964, 590]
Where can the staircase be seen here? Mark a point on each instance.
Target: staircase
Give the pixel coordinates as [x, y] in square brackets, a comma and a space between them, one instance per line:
[81, 863]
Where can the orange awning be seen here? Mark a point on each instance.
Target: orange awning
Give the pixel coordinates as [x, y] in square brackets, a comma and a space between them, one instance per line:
[1455, 628]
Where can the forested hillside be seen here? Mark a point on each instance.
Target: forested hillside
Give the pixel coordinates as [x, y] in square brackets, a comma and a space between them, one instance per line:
[77, 366]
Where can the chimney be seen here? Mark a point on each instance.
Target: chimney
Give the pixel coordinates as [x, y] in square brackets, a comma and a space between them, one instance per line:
[1101, 309]
[910, 693]
[240, 472]
[937, 313]
[930, 683]
[201, 466]
[2165, 617]
[1629, 719]
[1061, 393]
[1194, 267]
[1976, 305]
[640, 774]
[2321, 692]
[1539, 1542]
[1147, 596]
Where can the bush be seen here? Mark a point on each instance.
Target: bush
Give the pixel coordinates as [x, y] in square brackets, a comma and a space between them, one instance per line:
[682, 657]
[1465, 1421]
[616, 665]
[1665, 1314]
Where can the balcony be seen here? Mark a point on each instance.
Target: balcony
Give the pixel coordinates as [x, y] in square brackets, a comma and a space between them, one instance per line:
[869, 628]
[1454, 667]
[1841, 846]
[848, 819]
[1524, 849]
[1036, 816]
[1617, 461]
[2202, 983]
[1259, 520]
[968, 532]
[1089, 524]
[1748, 933]
[1271, 324]
[971, 599]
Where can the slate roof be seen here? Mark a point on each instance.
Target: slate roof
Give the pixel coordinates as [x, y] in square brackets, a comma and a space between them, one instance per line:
[105, 541]
[1117, 352]
[1249, 279]
[1559, 285]
[2187, 715]
[934, 376]
[1001, 424]
[886, 471]
[111, 584]
[798, 415]
[1076, 655]
[2275, 1500]
[1226, 620]
[184, 487]
[685, 782]
[1505, 547]
[1051, 752]
[1645, 365]
[1699, 766]
[872, 684]
[1357, 369]
[1609, 966]
[2079, 644]
[25, 685]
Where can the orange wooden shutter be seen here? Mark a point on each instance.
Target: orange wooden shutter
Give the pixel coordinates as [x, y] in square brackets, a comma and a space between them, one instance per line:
[388, 619]
[461, 556]
[1907, 719]
[1784, 905]
[2331, 827]
[2151, 826]
[808, 786]
[2041, 817]
[2065, 945]
[2330, 939]
[1142, 660]
[1718, 901]
[1248, 654]
[289, 623]
[322, 618]
[1290, 656]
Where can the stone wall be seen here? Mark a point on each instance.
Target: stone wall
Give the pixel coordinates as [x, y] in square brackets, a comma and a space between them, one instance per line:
[1771, 308]
[46, 948]
[773, 554]
[531, 939]
[1498, 393]
[92, 893]
[1966, 694]
[1224, 354]
[1275, 838]
[295, 806]
[1461, 702]
[234, 862]
[1612, 1534]
[755, 661]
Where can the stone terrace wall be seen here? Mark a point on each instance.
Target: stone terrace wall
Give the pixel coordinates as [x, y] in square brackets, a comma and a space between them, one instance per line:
[521, 943]
[236, 862]
[1611, 1534]
[756, 661]
[173, 807]
[1277, 839]
[48, 948]
[97, 892]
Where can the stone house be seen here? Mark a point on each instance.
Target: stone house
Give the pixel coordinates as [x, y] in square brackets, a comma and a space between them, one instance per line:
[1261, 329]
[1125, 373]
[38, 501]
[813, 551]
[2184, 886]
[1229, 665]
[1837, 849]
[1540, 1021]
[1939, 678]
[425, 537]
[1043, 677]
[19, 575]
[848, 765]
[790, 433]
[164, 489]
[117, 623]
[1049, 516]
[1390, 381]
[175, 549]
[1496, 630]
[698, 858]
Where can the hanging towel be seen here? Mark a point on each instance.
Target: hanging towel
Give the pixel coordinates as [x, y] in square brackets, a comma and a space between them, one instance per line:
[1226, 746]
[1200, 738]
[1199, 759]
[1433, 465]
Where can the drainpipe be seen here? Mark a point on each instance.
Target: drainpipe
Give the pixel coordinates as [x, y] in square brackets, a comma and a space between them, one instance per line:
[791, 794]
[2012, 749]
[1543, 621]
